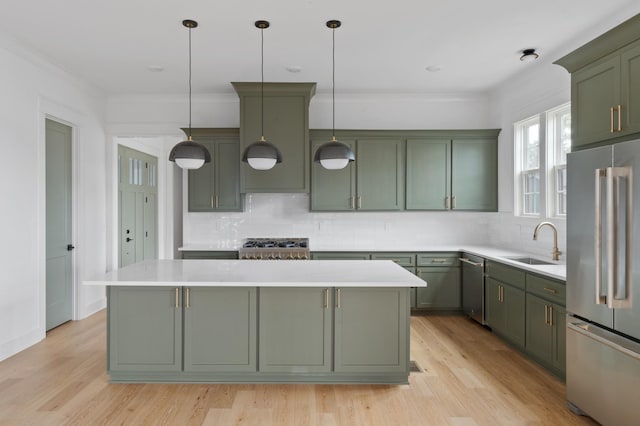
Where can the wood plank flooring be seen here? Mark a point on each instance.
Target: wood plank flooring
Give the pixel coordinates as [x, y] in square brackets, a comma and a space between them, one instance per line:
[469, 378]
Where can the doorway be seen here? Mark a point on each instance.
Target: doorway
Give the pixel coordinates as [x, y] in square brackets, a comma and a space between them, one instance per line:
[137, 206]
[59, 245]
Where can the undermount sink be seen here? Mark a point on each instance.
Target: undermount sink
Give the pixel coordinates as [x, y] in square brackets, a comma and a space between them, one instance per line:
[530, 260]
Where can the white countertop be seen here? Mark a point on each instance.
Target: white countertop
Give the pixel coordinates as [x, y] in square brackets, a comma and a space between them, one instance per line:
[556, 270]
[261, 273]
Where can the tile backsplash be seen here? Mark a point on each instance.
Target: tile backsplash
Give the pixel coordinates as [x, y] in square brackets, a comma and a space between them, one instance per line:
[288, 215]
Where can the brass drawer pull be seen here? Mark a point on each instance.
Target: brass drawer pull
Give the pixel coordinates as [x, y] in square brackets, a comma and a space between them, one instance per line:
[177, 297]
[611, 129]
[619, 118]
[188, 298]
[550, 290]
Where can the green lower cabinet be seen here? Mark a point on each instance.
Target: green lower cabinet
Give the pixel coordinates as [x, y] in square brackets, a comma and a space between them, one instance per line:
[340, 256]
[371, 330]
[210, 255]
[442, 290]
[545, 333]
[145, 329]
[505, 307]
[295, 330]
[220, 329]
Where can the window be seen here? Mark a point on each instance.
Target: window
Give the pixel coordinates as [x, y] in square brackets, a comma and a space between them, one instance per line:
[542, 143]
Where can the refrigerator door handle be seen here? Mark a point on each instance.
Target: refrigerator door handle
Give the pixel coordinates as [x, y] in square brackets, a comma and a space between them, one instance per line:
[614, 298]
[600, 299]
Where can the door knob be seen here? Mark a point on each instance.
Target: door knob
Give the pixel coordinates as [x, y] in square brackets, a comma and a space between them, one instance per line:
[129, 239]
[70, 247]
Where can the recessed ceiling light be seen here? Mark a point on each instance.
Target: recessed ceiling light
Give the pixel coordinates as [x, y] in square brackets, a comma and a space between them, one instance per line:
[529, 55]
[155, 68]
[433, 68]
[294, 68]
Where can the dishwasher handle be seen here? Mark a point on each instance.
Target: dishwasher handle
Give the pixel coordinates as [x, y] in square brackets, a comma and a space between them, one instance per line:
[465, 260]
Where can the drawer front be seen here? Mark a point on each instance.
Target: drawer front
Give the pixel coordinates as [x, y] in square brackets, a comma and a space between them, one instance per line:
[340, 256]
[209, 254]
[554, 291]
[402, 259]
[506, 274]
[438, 259]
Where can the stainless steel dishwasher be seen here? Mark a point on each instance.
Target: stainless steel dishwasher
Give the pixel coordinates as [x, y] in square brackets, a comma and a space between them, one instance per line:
[473, 286]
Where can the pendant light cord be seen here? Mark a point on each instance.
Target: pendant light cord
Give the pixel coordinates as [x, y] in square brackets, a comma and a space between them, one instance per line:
[333, 85]
[262, 83]
[189, 83]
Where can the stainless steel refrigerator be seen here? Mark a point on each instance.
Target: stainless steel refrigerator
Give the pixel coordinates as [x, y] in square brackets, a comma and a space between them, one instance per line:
[603, 283]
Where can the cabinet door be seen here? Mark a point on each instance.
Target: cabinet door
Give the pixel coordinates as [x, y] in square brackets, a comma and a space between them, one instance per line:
[216, 185]
[514, 314]
[630, 79]
[286, 126]
[540, 333]
[220, 329]
[380, 174]
[442, 290]
[333, 190]
[144, 326]
[428, 174]
[295, 329]
[227, 176]
[371, 329]
[474, 174]
[546, 332]
[201, 182]
[494, 310]
[594, 91]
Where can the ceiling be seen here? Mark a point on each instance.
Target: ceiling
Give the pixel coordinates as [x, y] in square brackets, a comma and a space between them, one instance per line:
[473, 45]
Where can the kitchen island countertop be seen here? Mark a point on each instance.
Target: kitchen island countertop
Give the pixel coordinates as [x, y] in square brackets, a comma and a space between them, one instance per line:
[259, 273]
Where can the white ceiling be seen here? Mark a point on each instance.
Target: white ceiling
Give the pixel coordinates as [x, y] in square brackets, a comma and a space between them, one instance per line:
[382, 47]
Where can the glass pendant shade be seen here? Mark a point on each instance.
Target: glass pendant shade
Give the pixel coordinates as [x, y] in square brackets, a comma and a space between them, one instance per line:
[189, 155]
[334, 155]
[262, 155]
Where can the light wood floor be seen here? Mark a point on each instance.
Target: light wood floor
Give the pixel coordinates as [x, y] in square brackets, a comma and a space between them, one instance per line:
[469, 378]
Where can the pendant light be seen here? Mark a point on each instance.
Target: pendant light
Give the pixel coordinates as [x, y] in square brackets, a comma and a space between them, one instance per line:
[262, 155]
[334, 155]
[189, 154]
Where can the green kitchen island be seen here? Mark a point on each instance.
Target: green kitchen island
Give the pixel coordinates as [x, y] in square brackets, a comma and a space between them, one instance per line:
[252, 321]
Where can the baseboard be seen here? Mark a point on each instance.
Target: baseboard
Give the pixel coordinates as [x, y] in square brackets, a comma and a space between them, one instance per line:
[12, 347]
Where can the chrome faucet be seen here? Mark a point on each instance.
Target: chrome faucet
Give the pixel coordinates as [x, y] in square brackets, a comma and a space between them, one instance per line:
[556, 253]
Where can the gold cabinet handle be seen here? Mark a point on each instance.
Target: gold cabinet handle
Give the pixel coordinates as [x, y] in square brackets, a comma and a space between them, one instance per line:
[546, 315]
[352, 201]
[438, 260]
[216, 198]
[177, 304]
[338, 298]
[550, 290]
[611, 119]
[619, 118]
[359, 202]
[453, 202]
[187, 299]
[326, 298]
[446, 203]
[550, 316]
[211, 201]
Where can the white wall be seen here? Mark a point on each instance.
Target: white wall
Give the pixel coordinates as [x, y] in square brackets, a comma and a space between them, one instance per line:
[32, 90]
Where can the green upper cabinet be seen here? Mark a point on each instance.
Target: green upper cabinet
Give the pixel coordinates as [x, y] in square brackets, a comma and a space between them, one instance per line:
[428, 174]
[216, 185]
[380, 174]
[284, 114]
[375, 181]
[332, 190]
[474, 174]
[605, 87]
[453, 170]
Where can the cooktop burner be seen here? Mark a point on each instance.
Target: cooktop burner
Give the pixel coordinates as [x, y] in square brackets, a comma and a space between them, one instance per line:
[275, 248]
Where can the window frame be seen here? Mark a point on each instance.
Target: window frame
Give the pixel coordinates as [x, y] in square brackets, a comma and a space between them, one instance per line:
[552, 134]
